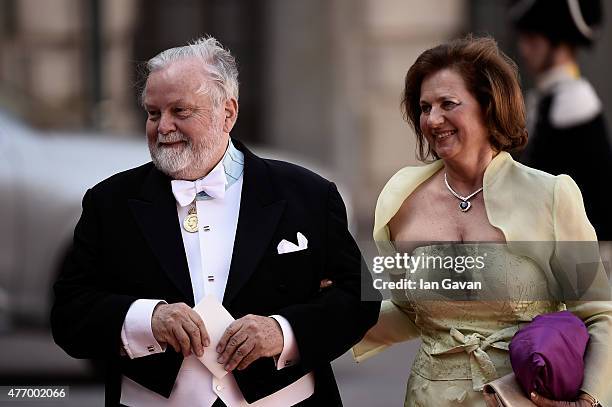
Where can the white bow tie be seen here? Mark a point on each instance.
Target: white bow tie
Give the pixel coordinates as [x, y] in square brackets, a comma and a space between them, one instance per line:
[213, 184]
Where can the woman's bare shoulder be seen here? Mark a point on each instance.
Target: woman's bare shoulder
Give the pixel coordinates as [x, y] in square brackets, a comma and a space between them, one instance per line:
[416, 206]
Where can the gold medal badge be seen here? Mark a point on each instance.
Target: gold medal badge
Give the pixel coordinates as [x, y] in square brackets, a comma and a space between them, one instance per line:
[190, 223]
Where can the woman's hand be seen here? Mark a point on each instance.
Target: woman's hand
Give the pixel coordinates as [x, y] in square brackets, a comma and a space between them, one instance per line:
[542, 401]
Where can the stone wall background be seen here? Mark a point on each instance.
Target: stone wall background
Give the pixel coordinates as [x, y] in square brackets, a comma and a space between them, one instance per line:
[320, 78]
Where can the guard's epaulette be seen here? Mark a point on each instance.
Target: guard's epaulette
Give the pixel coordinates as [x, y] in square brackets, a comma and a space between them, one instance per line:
[574, 103]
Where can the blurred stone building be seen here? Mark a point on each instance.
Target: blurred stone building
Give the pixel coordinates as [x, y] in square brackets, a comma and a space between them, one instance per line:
[321, 78]
[67, 63]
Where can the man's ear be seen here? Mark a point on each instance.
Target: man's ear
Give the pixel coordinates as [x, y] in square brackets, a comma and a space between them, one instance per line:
[231, 114]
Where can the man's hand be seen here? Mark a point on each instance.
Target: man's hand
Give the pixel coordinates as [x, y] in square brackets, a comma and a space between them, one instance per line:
[542, 401]
[181, 327]
[247, 339]
[325, 283]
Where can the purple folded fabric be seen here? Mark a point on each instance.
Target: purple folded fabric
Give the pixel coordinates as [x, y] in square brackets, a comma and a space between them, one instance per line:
[547, 355]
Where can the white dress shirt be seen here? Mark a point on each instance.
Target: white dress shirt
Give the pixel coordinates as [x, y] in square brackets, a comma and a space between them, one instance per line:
[209, 254]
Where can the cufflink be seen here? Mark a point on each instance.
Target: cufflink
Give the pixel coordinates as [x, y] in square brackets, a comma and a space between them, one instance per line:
[151, 348]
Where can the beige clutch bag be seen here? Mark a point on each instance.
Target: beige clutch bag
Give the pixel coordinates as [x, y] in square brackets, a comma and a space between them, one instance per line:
[505, 392]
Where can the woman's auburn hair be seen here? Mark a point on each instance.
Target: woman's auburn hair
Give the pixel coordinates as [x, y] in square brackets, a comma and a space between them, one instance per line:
[489, 74]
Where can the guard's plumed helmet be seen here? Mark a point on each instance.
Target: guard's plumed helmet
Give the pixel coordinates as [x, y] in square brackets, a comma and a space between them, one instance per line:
[575, 22]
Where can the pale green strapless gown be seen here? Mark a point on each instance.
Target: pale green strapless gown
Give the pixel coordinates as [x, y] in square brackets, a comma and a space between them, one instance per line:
[465, 343]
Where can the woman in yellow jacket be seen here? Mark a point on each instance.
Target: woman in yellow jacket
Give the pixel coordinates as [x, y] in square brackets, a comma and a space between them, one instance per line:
[465, 104]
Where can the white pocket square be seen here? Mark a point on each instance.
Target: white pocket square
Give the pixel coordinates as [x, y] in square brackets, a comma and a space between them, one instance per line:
[285, 246]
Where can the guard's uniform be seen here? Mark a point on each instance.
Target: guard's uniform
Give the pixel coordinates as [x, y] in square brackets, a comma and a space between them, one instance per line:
[567, 130]
[567, 135]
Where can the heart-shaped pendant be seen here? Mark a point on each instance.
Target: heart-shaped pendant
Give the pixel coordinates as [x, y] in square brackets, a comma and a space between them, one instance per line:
[465, 206]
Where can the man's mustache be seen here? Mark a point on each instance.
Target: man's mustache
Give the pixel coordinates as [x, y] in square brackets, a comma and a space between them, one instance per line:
[171, 138]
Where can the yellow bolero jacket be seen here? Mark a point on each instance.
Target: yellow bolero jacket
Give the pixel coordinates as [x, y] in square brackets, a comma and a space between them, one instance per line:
[527, 205]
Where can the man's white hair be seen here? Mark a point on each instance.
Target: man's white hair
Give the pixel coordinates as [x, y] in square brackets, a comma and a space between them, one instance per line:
[217, 62]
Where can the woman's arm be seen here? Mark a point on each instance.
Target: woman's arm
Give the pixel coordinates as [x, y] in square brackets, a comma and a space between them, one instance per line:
[577, 253]
[395, 324]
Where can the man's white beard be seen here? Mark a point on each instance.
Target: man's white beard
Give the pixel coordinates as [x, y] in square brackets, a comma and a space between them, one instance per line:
[190, 157]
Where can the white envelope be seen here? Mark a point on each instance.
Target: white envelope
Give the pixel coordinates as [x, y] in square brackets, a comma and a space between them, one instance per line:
[285, 246]
[216, 319]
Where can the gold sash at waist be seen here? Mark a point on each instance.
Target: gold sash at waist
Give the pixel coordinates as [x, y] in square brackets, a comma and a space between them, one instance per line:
[465, 356]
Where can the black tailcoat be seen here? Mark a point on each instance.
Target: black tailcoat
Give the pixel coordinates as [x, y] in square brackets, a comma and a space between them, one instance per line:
[128, 245]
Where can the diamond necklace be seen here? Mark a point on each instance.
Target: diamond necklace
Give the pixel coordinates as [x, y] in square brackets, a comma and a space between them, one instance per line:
[465, 203]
